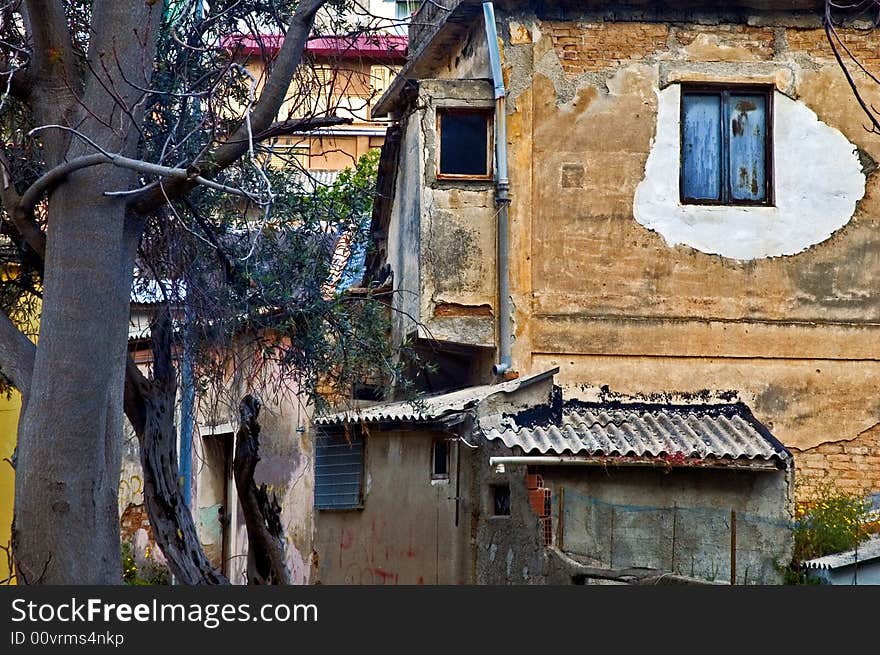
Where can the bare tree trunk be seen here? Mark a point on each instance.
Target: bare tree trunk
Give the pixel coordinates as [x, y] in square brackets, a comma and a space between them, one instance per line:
[70, 447]
[150, 407]
[267, 563]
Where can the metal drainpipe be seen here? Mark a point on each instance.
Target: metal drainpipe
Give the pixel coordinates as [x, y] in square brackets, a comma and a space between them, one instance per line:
[502, 193]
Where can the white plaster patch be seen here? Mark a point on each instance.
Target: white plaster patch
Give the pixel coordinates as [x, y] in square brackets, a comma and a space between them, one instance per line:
[817, 180]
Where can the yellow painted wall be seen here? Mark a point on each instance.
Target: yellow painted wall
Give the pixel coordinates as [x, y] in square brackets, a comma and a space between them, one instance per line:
[9, 409]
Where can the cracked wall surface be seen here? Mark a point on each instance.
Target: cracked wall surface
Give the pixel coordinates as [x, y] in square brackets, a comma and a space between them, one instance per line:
[817, 180]
[784, 314]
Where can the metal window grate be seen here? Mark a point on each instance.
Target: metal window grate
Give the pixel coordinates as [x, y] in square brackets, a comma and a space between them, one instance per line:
[339, 472]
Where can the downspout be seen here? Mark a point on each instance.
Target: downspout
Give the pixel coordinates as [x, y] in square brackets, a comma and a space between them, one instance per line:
[187, 405]
[502, 193]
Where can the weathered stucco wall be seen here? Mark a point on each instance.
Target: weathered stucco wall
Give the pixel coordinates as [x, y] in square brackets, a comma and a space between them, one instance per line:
[403, 231]
[457, 232]
[405, 533]
[676, 519]
[785, 319]
[811, 202]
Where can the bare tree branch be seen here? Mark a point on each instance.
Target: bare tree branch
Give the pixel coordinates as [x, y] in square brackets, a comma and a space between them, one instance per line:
[16, 355]
[263, 113]
[149, 406]
[266, 560]
[299, 125]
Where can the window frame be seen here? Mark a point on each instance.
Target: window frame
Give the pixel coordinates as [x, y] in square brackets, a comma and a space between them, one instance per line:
[723, 91]
[489, 114]
[434, 475]
[495, 488]
[359, 505]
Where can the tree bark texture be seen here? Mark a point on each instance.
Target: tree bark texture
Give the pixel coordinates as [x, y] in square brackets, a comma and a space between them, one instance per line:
[152, 415]
[69, 451]
[69, 454]
[267, 563]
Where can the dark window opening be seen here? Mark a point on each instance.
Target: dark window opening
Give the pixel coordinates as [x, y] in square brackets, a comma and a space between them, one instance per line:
[501, 500]
[339, 471]
[726, 145]
[440, 460]
[464, 144]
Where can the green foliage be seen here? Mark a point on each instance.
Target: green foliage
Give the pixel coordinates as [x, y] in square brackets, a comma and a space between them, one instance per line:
[131, 575]
[268, 287]
[830, 521]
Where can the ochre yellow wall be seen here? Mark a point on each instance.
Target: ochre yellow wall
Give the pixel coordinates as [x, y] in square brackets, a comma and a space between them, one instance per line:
[9, 409]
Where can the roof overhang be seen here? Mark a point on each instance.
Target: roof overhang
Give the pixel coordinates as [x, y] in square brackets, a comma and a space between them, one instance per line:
[440, 31]
[422, 413]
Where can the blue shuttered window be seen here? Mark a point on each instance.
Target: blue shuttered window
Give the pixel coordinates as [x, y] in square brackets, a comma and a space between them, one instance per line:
[725, 146]
[339, 471]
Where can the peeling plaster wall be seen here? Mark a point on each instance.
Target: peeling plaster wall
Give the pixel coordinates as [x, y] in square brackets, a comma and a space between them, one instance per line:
[286, 468]
[677, 520]
[457, 230]
[788, 317]
[615, 282]
[403, 231]
[817, 177]
[405, 533]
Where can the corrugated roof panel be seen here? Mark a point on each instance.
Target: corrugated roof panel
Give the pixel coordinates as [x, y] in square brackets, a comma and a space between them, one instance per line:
[867, 551]
[643, 430]
[429, 408]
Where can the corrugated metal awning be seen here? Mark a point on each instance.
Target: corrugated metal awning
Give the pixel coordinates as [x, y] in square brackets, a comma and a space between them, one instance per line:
[429, 408]
[637, 430]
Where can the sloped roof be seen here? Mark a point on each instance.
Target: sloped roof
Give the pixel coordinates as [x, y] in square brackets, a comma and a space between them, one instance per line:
[429, 408]
[698, 432]
[867, 551]
[313, 179]
[367, 46]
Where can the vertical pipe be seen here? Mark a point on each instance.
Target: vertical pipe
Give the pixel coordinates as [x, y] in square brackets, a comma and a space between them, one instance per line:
[187, 405]
[502, 193]
[560, 521]
[674, 526]
[733, 547]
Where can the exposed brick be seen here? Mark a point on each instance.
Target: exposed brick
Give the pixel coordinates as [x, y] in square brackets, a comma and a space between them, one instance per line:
[134, 518]
[757, 40]
[598, 46]
[862, 44]
[853, 466]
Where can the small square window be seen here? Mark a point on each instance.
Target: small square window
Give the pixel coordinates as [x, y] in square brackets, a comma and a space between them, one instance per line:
[465, 142]
[440, 460]
[501, 500]
[726, 145]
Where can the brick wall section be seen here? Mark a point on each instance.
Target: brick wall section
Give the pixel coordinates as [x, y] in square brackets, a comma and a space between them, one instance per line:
[862, 44]
[853, 466]
[757, 40]
[133, 518]
[590, 47]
